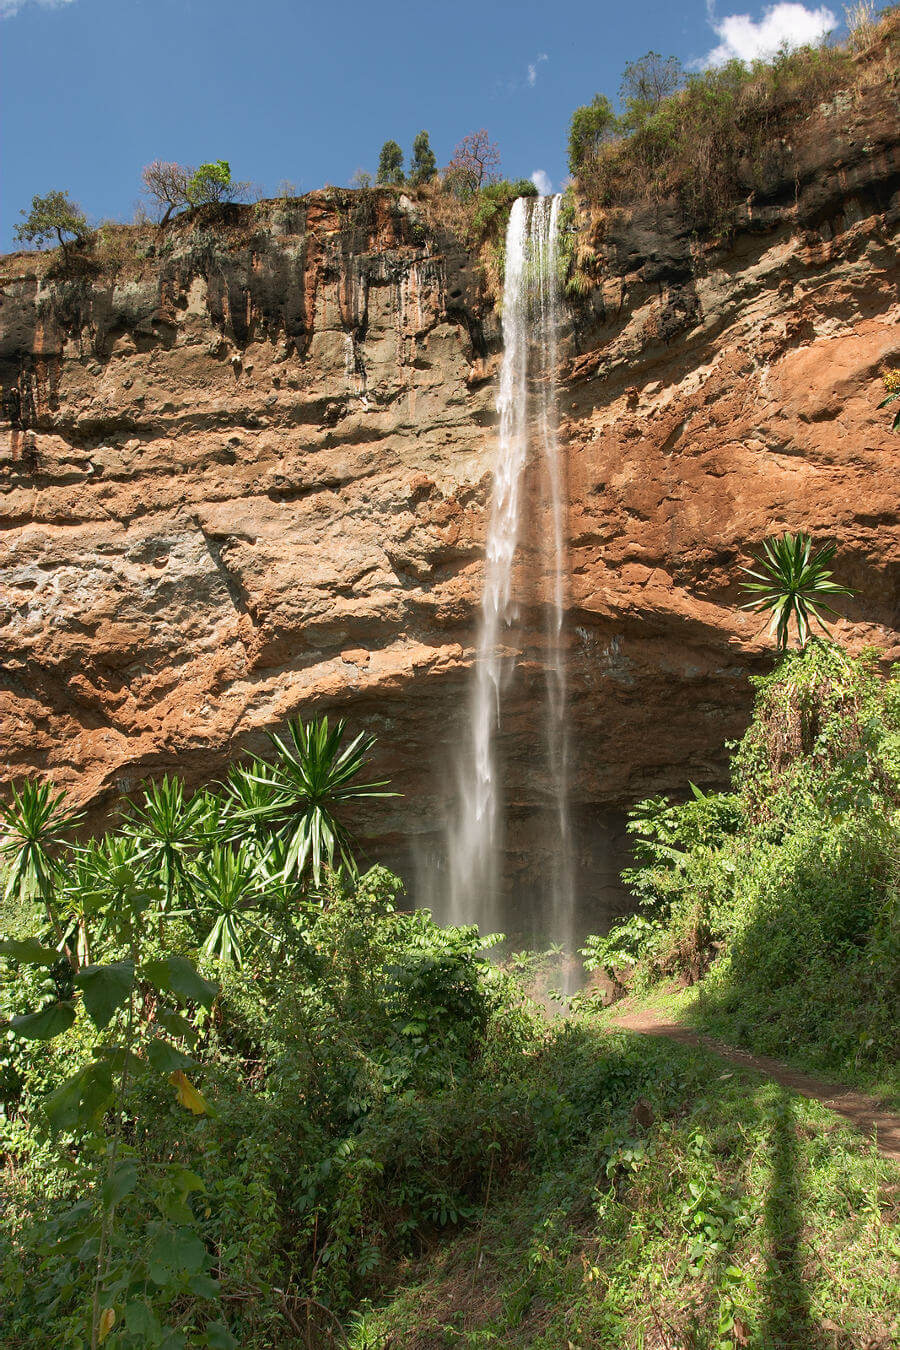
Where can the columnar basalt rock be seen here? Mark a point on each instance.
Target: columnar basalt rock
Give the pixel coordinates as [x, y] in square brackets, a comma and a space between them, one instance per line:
[247, 477]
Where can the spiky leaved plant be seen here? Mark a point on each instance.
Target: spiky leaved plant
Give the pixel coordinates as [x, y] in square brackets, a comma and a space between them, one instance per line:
[312, 778]
[793, 582]
[36, 826]
[169, 828]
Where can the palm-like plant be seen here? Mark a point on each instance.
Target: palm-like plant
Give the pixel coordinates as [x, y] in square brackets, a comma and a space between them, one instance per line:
[250, 795]
[793, 583]
[311, 779]
[168, 827]
[37, 825]
[230, 893]
[94, 883]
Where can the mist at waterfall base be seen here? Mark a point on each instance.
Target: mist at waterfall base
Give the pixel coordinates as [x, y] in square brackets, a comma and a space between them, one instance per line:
[519, 670]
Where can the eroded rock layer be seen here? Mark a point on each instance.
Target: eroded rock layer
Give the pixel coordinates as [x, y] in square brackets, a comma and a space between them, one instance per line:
[246, 476]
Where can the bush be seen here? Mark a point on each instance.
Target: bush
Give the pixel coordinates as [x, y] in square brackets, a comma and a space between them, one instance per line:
[390, 166]
[793, 877]
[179, 1150]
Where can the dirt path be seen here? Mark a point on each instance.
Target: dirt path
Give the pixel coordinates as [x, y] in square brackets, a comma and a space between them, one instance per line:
[863, 1112]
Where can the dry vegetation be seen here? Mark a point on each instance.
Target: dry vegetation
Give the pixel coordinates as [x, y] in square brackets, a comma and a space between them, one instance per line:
[726, 136]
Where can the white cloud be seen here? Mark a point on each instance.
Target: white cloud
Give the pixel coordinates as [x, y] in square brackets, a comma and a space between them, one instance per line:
[542, 182]
[10, 7]
[786, 24]
[533, 69]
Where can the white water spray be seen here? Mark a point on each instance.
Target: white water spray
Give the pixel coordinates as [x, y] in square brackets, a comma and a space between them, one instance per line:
[530, 322]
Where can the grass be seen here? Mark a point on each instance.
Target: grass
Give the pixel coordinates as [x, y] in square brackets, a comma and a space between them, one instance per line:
[702, 1207]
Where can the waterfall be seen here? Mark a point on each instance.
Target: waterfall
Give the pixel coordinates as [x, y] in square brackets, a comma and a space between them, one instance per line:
[527, 405]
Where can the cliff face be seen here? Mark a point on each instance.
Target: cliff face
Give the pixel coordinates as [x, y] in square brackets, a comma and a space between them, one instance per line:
[247, 477]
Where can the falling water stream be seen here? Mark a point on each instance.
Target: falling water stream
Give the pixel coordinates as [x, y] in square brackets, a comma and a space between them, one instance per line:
[527, 405]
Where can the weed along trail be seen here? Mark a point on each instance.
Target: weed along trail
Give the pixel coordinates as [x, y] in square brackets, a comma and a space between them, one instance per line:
[862, 1111]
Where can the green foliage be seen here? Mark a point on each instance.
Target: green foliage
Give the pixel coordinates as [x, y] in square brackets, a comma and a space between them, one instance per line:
[492, 207]
[210, 184]
[654, 1200]
[166, 828]
[312, 778]
[390, 166]
[89, 1261]
[37, 824]
[793, 583]
[590, 126]
[346, 1037]
[792, 878]
[645, 85]
[424, 163]
[53, 215]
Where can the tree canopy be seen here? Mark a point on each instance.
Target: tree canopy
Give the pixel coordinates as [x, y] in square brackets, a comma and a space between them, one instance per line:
[591, 124]
[390, 166]
[424, 163]
[55, 214]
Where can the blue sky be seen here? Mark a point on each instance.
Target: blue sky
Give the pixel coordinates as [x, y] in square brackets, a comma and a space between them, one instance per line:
[92, 90]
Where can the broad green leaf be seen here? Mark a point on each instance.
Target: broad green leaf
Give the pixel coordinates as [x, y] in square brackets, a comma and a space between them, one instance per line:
[204, 1287]
[186, 1251]
[218, 1337]
[29, 952]
[119, 1059]
[173, 1340]
[185, 1179]
[81, 1098]
[44, 1025]
[105, 988]
[176, 975]
[121, 1183]
[176, 1025]
[142, 1321]
[165, 1058]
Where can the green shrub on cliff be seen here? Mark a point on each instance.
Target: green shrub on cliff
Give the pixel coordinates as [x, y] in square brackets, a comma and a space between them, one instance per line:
[390, 166]
[424, 163]
[792, 584]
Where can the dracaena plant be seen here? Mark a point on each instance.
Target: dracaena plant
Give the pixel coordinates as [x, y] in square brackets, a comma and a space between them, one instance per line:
[232, 893]
[136, 1004]
[169, 828]
[306, 788]
[793, 584]
[37, 824]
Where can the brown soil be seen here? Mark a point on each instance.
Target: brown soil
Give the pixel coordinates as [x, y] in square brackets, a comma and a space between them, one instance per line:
[862, 1111]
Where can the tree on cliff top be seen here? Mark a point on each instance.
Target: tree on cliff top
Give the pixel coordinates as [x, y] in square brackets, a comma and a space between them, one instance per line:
[55, 214]
[645, 83]
[166, 184]
[390, 166]
[591, 124]
[476, 161]
[175, 187]
[424, 164]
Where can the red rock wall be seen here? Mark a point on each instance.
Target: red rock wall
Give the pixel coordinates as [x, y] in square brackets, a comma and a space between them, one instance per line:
[247, 477]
